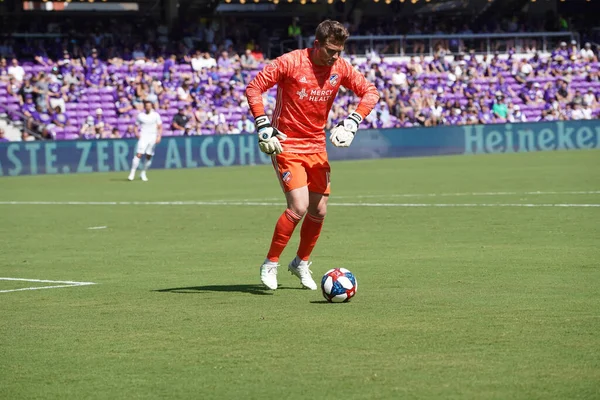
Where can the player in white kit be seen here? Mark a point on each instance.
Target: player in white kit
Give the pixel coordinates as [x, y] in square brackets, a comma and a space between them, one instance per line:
[149, 131]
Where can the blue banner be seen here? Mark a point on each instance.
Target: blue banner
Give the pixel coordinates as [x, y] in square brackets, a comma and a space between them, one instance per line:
[63, 157]
[472, 139]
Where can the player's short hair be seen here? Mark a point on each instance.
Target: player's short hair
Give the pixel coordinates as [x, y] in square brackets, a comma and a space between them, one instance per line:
[331, 31]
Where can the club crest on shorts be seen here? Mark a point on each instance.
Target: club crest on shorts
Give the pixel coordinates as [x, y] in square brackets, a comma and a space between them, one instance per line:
[333, 79]
[286, 176]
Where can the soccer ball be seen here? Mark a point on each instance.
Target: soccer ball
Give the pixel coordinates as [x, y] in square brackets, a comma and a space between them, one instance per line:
[338, 285]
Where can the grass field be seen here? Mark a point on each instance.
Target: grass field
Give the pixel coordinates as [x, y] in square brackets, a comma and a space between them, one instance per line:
[456, 300]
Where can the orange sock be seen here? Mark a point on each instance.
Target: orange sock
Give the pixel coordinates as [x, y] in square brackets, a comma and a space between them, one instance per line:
[283, 232]
[309, 234]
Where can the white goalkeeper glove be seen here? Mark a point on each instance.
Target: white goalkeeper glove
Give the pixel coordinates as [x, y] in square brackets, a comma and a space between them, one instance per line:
[343, 133]
[269, 138]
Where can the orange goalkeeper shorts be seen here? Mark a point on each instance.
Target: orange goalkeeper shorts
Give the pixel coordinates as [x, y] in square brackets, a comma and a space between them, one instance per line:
[296, 170]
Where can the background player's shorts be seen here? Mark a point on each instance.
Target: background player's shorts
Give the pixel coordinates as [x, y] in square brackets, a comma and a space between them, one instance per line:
[296, 170]
[146, 145]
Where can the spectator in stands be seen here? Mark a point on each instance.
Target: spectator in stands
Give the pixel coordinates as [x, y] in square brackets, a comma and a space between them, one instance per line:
[89, 60]
[42, 120]
[13, 87]
[233, 130]
[589, 99]
[549, 113]
[502, 87]
[129, 132]
[28, 109]
[577, 97]
[454, 117]
[3, 70]
[238, 78]
[2, 137]
[516, 115]
[169, 67]
[563, 94]
[577, 112]
[59, 118]
[587, 111]
[471, 91]
[181, 121]
[100, 125]
[486, 116]
[183, 92]
[528, 93]
[523, 71]
[244, 125]
[88, 130]
[56, 98]
[197, 61]
[499, 108]
[96, 75]
[566, 113]
[399, 79]
[16, 70]
[248, 62]
[73, 93]
[123, 105]
[560, 51]
[587, 54]
[164, 104]
[294, 32]
[222, 128]
[404, 120]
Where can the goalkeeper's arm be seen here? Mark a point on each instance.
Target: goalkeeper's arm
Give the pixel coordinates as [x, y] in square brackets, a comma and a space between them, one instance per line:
[343, 133]
[269, 138]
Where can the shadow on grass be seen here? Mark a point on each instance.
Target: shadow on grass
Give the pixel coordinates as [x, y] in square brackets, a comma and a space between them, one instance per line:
[320, 302]
[251, 289]
[123, 179]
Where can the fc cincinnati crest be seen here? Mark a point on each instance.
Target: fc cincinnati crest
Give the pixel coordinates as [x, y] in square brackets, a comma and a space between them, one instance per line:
[286, 176]
[333, 79]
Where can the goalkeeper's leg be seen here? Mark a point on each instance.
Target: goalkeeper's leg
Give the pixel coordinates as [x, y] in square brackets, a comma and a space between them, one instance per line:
[309, 234]
[283, 232]
[312, 224]
[297, 200]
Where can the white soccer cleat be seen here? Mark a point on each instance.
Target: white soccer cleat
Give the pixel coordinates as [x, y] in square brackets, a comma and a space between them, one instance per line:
[131, 177]
[268, 274]
[143, 176]
[301, 269]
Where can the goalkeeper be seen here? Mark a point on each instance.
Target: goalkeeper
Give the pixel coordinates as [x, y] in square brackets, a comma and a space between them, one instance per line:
[307, 82]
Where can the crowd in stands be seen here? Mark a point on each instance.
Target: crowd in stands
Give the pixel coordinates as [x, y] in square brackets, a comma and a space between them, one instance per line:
[93, 86]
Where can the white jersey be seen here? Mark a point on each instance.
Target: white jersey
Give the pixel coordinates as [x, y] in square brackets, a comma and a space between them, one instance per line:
[148, 124]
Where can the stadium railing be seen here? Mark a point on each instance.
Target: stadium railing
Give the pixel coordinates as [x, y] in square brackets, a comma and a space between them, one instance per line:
[482, 43]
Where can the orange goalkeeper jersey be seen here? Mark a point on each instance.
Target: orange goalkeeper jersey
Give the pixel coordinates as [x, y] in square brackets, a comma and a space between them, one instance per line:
[305, 94]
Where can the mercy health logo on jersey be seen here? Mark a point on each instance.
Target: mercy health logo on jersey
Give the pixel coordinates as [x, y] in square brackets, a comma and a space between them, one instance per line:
[333, 80]
[302, 93]
[540, 136]
[316, 95]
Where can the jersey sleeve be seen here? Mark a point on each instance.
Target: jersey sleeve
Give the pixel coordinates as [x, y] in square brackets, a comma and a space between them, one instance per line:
[158, 119]
[368, 93]
[270, 75]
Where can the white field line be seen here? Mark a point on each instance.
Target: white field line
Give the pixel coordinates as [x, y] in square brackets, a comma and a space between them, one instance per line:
[260, 203]
[63, 284]
[536, 193]
[97, 227]
[395, 195]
